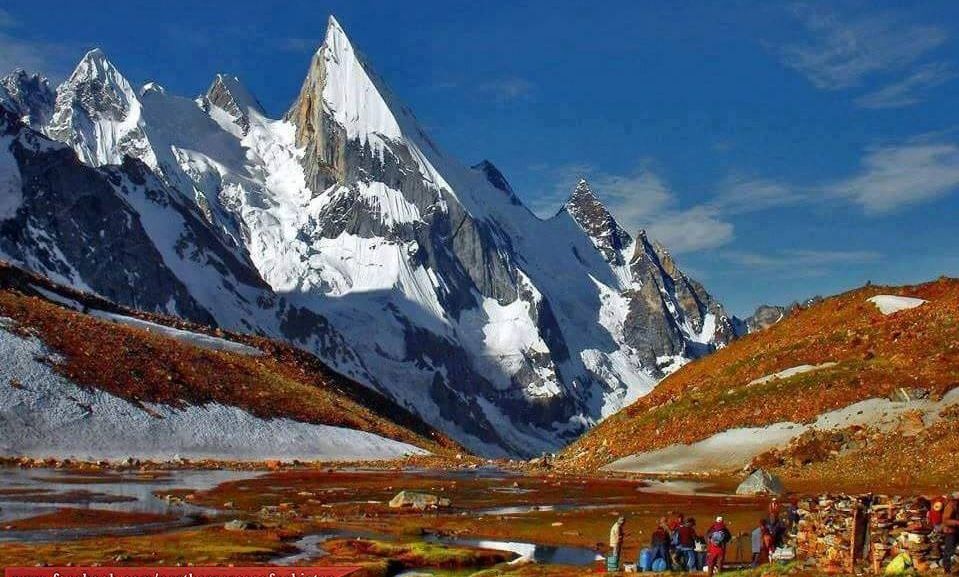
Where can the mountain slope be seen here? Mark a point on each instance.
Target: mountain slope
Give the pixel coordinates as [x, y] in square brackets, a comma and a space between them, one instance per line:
[344, 229]
[29, 95]
[838, 365]
[168, 378]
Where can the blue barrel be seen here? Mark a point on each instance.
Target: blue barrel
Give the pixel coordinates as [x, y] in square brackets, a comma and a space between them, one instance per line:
[645, 560]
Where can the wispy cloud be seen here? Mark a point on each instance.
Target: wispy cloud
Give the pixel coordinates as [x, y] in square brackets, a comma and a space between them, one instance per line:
[894, 176]
[911, 89]
[298, 44]
[507, 89]
[31, 56]
[642, 199]
[889, 178]
[739, 194]
[694, 229]
[798, 263]
[18, 53]
[843, 50]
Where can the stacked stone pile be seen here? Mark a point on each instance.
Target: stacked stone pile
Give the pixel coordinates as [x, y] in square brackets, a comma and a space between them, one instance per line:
[826, 530]
[836, 532]
[899, 525]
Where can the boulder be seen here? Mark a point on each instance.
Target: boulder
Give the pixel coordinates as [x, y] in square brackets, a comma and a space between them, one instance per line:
[418, 500]
[760, 482]
[240, 525]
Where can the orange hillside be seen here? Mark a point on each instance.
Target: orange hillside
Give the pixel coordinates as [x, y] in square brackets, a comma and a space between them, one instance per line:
[143, 366]
[874, 354]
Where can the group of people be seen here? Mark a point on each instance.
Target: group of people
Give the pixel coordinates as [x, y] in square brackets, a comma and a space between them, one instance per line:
[675, 543]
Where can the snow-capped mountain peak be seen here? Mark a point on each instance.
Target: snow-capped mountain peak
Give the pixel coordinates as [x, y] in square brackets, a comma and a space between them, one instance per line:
[98, 113]
[351, 93]
[597, 222]
[347, 231]
[94, 64]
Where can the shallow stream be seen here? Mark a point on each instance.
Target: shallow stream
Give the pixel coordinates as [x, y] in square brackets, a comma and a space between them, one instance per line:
[26, 493]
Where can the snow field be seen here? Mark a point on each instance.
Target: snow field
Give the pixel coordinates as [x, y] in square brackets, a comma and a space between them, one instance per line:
[44, 415]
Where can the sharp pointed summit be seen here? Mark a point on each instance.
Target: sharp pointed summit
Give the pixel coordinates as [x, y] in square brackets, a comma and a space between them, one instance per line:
[343, 228]
[98, 113]
[95, 64]
[585, 208]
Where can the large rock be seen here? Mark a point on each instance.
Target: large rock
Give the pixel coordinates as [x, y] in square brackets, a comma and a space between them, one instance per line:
[418, 500]
[760, 482]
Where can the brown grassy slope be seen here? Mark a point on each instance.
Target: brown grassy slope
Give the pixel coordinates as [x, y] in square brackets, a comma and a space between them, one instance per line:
[141, 366]
[875, 355]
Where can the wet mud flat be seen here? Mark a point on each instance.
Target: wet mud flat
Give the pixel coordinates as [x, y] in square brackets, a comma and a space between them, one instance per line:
[496, 520]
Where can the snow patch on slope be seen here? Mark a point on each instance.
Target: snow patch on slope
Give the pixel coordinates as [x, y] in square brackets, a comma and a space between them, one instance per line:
[889, 304]
[199, 340]
[502, 337]
[735, 448]
[45, 415]
[792, 371]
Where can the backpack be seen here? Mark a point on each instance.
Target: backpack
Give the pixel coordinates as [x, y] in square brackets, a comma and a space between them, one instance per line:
[717, 538]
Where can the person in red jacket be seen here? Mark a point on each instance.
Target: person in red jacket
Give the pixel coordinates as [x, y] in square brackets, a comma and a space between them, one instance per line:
[934, 516]
[676, 521]
[950, 530]
[717, 537]
[686, 544]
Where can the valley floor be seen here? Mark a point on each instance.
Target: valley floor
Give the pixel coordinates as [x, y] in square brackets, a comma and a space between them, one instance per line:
[500, 520]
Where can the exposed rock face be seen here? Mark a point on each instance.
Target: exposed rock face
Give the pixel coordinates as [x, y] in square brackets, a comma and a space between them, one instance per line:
[760, 482]
[343, 228]
[343, 150]
[765, 317]
[323, 139]
[597, 222]
[497, 180]
[768, 315]
[30, 96]
[229, 95]
[80, 226]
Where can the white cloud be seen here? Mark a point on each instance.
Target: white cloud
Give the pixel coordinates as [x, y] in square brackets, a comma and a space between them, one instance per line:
[638, 200]
[740, 194]
[31, 56]
[910, 90]
[798, 263]
[891, 177]
[790, 258]
[842, 51]
[298, 44]
[507, 89]
[695, 229]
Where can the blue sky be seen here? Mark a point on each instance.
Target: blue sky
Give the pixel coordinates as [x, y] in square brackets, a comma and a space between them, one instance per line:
[780, 150]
